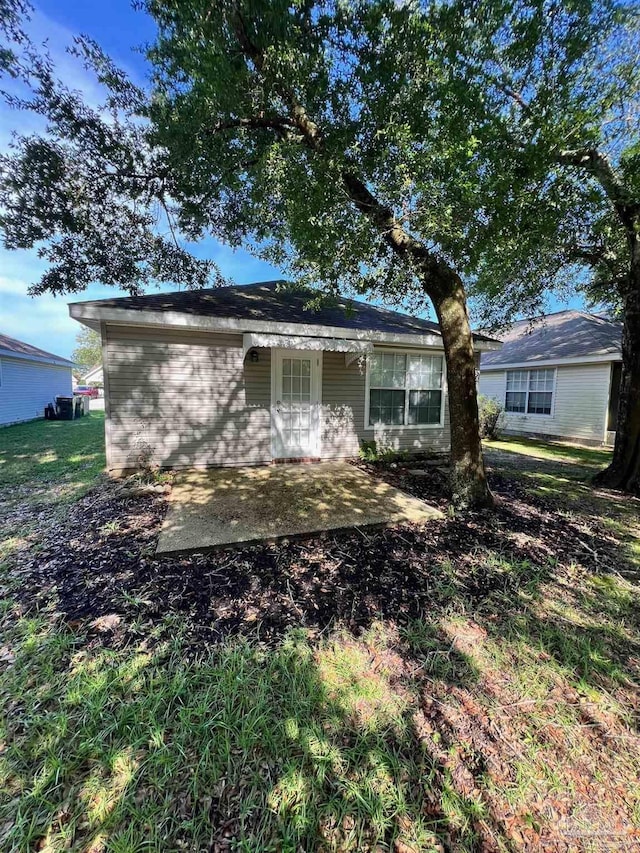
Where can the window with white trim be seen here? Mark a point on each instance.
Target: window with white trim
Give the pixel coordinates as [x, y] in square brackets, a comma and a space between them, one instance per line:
[530, 391]
[405, 389]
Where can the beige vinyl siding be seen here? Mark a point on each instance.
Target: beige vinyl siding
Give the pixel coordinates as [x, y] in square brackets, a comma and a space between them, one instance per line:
[493, 384]
[343, 415]
[342, 405]
[186, 398]
[579, 403]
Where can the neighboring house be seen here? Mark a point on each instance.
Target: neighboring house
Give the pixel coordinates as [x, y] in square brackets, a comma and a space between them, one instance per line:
[558, 377]
[29, 379]
[245, 375]
[93, 376]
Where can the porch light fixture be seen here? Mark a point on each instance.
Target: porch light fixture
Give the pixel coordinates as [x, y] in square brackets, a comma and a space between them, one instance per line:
[253, 355]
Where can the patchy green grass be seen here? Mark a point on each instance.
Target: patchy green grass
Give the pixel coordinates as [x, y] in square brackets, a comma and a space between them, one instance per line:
[134, 750]
[44, 454]
[330, 744]
[503, 718]
[561, 474]
[43, 466]
[553, 452]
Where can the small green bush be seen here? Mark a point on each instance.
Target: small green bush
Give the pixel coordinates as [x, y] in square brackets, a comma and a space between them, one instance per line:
[492, 417]
[370, 452]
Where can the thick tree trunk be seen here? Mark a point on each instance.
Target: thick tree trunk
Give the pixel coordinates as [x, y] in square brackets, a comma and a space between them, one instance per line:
[468, 479]
[624, 470]
[445, 289]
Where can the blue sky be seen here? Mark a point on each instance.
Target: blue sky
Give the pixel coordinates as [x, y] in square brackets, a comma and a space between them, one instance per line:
[44, 320]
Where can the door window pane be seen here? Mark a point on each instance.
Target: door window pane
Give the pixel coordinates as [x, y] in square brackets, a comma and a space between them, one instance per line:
[295, 413]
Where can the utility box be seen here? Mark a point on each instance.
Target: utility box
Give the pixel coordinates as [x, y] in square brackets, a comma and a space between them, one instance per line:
[65, 408]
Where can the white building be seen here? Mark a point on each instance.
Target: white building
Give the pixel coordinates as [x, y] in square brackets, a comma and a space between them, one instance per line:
[558, 377]
[94, 376]
[29, 379]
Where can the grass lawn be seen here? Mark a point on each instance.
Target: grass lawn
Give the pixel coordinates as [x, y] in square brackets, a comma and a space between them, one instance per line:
[561, 473]
[45, 465]
[471, 685]
[48, 455]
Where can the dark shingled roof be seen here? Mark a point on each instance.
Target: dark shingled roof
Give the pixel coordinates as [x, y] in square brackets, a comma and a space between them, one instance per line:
[21, 348]
[270, 301]
[567, 334]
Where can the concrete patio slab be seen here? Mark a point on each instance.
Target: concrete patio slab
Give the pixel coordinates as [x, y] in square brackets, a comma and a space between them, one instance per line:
[221, 507]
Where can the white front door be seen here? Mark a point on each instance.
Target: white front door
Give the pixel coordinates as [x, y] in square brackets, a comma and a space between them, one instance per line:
[295, 403]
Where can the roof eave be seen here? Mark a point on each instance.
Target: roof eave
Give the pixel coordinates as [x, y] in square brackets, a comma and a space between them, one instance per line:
[41, 359]
[93, 315]
[595, 358]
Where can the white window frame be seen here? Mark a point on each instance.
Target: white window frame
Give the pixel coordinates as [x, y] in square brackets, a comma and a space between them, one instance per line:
[406, 388]
[527, 392]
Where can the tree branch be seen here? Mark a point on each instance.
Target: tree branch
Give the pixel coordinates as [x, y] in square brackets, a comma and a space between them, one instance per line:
[592, 255]
[390, 229]
[277, 123]
[594, 162]
[515, 96]
[597, 164]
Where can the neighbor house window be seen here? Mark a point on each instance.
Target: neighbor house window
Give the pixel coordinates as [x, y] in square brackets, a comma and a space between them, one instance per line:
[530, 391]
[405, 389]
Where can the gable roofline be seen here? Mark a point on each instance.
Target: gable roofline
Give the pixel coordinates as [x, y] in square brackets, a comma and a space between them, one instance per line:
[563, 337]
[533, 364]
[94, 369]
[14, 348]
[200, 311]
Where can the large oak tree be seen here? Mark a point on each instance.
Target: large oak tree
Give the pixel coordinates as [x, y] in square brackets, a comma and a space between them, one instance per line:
[562, 82]
[312, 131]
[308, 131]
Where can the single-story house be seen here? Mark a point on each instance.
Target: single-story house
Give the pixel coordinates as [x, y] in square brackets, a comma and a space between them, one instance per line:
[558, 377]
[94, 376]
[247, 374]
[29, 379]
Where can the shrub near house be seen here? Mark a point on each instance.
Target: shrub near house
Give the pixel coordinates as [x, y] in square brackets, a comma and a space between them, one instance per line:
[492, 417]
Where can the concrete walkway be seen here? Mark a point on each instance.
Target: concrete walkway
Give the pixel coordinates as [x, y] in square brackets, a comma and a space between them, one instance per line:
[221, 507]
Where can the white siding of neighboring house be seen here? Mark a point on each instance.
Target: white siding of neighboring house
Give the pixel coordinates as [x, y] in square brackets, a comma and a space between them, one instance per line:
[27, 386]
[94, 375]
[190, 400]
[580, 403]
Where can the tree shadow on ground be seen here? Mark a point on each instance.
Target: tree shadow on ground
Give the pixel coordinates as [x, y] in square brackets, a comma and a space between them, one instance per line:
[469, 683]
[304, 746]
